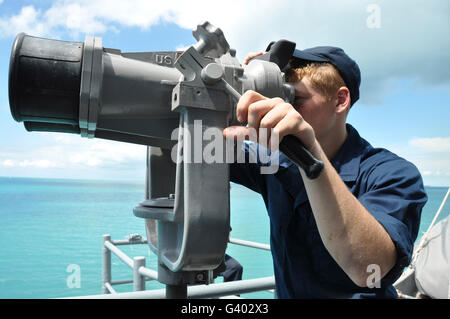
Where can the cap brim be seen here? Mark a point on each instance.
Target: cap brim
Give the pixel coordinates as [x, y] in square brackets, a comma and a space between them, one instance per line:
[301, 55]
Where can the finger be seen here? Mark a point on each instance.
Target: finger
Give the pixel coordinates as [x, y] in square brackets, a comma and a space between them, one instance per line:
[244, 102]
[275, 115]
[257, 110]
[292, 123]
[269, 121]
[251, 56]
[239, 133]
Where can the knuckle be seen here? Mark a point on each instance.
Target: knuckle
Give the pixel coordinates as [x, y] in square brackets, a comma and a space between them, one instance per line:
[277, 100]
[253, 108]
[287, 107]
[294, 114]
[250, 93]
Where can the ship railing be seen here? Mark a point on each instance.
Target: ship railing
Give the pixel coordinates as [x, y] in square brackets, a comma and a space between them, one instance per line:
[141, 274]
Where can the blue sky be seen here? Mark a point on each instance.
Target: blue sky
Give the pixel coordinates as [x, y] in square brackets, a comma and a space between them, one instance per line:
[402, 48]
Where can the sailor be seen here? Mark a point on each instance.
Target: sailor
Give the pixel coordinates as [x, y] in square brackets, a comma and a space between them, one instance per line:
[350, 232]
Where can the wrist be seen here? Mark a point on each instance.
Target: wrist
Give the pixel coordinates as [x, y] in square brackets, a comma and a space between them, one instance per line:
[314, 172]
[316, 150]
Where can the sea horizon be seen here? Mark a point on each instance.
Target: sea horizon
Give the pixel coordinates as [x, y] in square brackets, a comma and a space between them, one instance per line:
[133, 180]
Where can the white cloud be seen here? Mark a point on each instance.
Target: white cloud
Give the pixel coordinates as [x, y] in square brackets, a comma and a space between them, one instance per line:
[8, 163]
[28, 20]
[433, 145]
[73, 152]
[28, 163]
[431, 156]
[412, 40]
[411, 43]
[42, 163]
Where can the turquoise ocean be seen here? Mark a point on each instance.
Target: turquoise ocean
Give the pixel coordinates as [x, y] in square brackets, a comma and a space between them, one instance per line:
[49, 225]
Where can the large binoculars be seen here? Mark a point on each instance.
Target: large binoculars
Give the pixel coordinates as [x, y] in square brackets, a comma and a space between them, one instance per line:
[142, 97]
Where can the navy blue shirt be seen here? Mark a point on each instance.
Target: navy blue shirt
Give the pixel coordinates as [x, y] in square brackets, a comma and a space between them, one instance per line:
[388, 186]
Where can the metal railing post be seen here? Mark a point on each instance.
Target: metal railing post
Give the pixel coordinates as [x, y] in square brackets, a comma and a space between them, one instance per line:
[106, 265]
[141, 274]
[138, 279]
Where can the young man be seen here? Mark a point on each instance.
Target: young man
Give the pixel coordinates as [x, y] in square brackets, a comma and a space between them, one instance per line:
[337, 235]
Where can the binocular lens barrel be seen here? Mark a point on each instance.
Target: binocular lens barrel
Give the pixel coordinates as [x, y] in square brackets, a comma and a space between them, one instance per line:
[51, 127]
[44, 82]
[84, 88]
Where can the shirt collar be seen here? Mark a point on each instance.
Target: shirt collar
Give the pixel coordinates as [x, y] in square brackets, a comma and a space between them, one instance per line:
[348, 159]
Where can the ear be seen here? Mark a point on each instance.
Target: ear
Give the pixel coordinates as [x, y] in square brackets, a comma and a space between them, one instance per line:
[343, 100]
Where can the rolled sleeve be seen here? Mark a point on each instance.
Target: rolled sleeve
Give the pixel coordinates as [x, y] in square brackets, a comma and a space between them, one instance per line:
[395, 197]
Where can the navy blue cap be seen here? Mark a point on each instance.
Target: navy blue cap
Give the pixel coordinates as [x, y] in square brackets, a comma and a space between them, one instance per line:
[348, 69]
